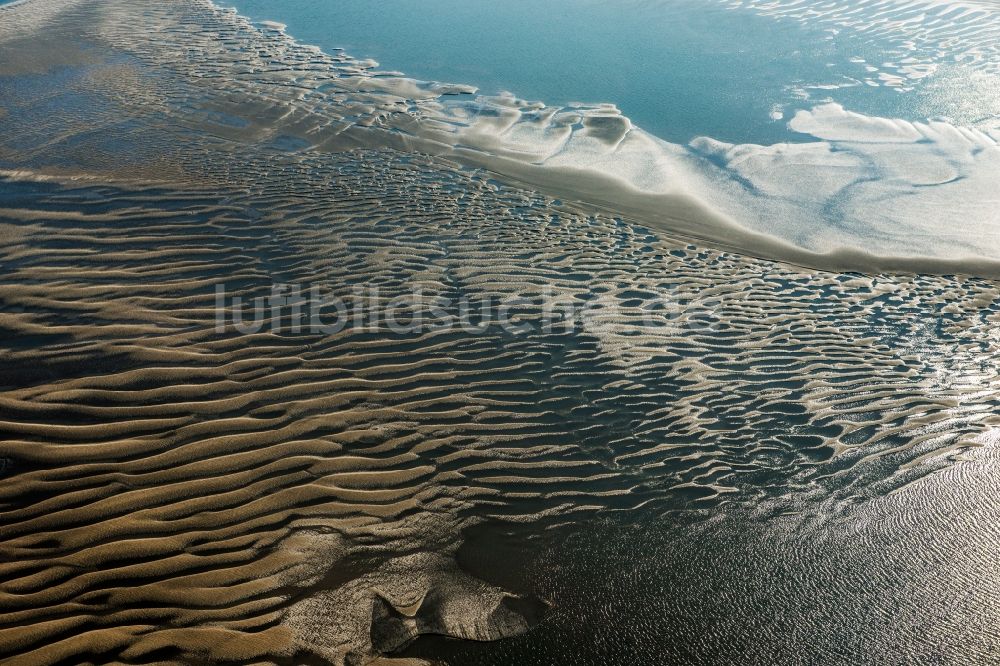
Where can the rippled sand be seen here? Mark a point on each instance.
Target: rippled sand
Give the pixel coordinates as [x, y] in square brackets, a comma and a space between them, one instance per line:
[765, 469]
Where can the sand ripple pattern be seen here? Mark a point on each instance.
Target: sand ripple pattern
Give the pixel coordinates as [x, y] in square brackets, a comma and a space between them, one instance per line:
[159, 473]
[173, 493]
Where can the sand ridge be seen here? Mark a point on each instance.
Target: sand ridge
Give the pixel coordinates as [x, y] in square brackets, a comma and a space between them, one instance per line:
[175, 493]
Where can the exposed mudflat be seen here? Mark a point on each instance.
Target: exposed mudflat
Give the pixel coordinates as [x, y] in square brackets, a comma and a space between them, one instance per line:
[720, 456]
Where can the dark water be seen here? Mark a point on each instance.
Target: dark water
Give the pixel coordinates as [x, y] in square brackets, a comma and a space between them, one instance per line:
[898, 583]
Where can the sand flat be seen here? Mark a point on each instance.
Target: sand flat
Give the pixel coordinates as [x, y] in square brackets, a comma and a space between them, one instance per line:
[176, 493]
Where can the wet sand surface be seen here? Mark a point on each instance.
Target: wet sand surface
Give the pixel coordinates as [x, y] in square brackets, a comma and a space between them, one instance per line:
[773, 465]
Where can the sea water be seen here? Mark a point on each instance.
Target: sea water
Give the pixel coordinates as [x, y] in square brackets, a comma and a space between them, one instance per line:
[679, 69]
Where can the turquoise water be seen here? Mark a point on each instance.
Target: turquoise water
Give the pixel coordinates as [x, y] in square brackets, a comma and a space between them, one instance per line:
[867, 132]
[678, 68]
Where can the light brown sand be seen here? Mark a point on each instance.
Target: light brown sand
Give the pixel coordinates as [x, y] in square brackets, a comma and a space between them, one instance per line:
[179, 494]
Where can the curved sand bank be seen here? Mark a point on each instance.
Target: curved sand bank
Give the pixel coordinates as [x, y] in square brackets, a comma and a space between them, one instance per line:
[859, 193]
[856, 193]
[173, 493]
[866, 194]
